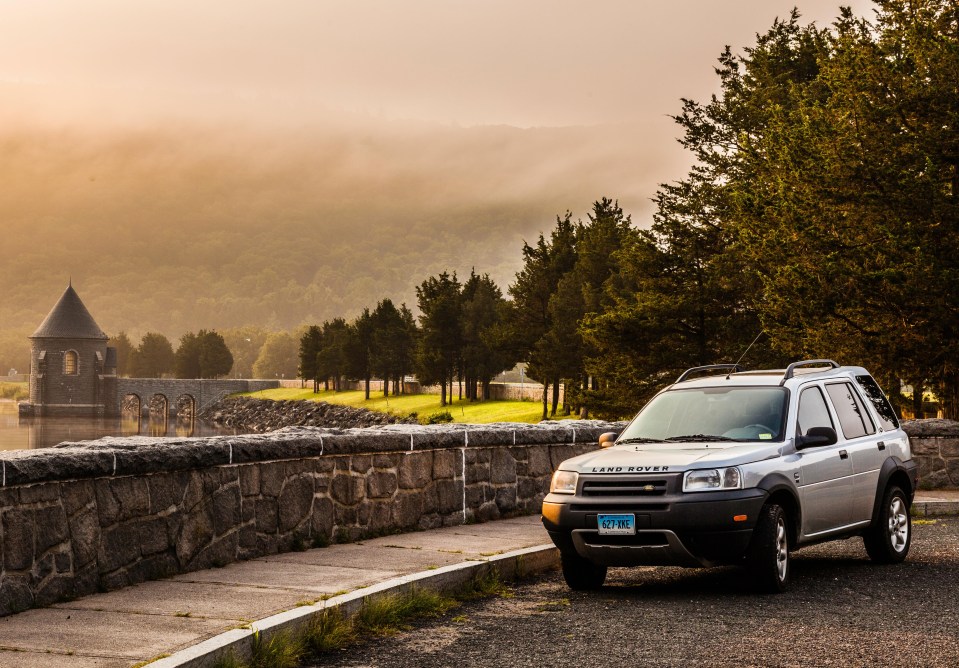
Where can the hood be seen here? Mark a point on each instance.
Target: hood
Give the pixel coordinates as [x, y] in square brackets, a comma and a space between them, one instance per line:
[670, 457]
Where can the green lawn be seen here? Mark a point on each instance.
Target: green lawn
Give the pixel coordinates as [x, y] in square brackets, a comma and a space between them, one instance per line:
[423, 405]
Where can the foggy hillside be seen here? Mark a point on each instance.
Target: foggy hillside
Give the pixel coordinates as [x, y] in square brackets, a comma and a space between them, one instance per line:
[217, 226]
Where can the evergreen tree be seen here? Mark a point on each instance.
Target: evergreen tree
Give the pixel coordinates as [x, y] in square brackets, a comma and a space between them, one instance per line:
[438, 298]
[153, 357]
[310, 345]
[124, 347]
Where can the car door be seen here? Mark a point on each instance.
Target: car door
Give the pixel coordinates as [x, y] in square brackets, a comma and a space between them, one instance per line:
[825, 472]
[862, 442]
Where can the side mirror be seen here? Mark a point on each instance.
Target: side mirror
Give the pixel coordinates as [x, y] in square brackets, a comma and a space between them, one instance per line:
[607, 439]
[817, 437]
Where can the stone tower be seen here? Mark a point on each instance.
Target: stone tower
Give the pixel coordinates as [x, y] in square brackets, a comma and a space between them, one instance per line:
[70, 369]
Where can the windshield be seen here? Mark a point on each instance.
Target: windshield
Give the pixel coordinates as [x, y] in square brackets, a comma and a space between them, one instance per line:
[711, 413]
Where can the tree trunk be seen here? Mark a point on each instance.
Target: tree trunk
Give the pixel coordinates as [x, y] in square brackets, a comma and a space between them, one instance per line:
[443, 393]
[552, 411]
[386, 385]
[367, 388]
[917, 399]
[545, 398]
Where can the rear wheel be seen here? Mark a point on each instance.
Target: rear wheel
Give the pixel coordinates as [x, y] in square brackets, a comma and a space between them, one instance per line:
[888, 540]
[767, 558]
[581, 574]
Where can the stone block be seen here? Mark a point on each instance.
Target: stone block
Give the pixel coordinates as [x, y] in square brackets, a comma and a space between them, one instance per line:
[347, 489]
[108, 508]
[265, 511]
[321, 522]
[52, 529]
[132, 495]
[949, 448]
[477, 495]
[415, 470]
[379, 517]
[323, 465]
[295, 502]
[53, 589]
[15, 594]
[449, 495]
[154, 567]
[538, 461]
[76, 494]
[84, 537]
[196, 533]
[506, 499]
[445, 464]
[924, 445]
[487, 512]
[166, 491]
[381, 484]
[226, 510]
[529, 488]
[152, 535]
[502, 468]
[407, 510]
[19, 533]
[361, 463]
[119, 547]
[476, 473]
[560, 453]
[271, 479]
[386, 461]
[952, 470]
[46, 492]
[249, 479]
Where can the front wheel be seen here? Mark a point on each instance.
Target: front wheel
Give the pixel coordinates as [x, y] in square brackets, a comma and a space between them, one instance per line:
[767, 558]
[888, 540]
[581, 574]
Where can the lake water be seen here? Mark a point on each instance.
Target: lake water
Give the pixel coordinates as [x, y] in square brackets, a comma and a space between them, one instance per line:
[17, 434]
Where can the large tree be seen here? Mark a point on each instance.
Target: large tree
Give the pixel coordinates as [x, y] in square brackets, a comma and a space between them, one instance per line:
[440, 342]
[202, 355]
[153, 357]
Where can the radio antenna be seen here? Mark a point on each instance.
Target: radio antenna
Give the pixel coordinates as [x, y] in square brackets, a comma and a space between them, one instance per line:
[761, 332]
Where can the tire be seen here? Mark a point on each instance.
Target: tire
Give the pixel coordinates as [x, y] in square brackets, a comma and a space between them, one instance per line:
[767, 557]
[580, 574]
[888, 540]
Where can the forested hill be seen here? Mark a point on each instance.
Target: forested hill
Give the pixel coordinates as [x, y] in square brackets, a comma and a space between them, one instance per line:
[200, 227]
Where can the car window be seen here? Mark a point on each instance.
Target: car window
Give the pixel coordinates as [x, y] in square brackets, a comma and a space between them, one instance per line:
[852, 418]
[812, 411]
[887, 416]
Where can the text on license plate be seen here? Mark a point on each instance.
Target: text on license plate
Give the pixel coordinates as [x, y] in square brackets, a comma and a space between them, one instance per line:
[617, 524]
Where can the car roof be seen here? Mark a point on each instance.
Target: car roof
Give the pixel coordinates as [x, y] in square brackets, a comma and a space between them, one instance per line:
[770, 377]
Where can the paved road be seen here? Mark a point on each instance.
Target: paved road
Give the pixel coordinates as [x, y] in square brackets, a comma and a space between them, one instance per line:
[840, 611]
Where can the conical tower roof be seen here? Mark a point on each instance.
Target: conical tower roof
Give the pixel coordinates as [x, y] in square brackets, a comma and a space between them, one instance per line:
[69, 319]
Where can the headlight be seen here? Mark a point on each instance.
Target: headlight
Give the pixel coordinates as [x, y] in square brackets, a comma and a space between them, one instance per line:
[710, 479]
[564, 482]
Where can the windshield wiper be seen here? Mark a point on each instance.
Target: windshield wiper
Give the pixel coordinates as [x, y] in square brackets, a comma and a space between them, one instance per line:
[700, 437]
[638, 439]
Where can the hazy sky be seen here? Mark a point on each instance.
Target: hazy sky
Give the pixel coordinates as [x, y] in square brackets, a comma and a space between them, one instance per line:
[517, 62]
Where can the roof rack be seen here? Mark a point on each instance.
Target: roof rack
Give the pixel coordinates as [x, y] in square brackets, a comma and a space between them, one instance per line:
[710, 367]
[791, 369]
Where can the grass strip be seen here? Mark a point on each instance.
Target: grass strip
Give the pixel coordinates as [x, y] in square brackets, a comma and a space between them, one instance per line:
[331, 630]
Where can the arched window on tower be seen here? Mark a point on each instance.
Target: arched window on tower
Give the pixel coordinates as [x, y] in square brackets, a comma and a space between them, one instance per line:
[70, 363]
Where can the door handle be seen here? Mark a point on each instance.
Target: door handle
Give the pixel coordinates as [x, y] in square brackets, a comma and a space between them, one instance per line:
[843, 454]
[881, 445]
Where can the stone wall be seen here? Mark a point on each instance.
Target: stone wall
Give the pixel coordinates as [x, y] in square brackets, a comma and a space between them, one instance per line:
[81, 518]
[935, 446]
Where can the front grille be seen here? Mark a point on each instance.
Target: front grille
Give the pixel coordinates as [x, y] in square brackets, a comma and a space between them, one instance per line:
[643, 487]
[618, 507]
[642, 539]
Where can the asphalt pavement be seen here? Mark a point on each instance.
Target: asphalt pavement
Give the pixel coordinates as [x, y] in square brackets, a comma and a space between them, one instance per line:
[841, 610]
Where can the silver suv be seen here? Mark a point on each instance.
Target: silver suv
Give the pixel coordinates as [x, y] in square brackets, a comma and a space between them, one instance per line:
[739, 467]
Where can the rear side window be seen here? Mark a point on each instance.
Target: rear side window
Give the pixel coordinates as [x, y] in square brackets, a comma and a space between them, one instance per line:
[852, 417]
[887, 416]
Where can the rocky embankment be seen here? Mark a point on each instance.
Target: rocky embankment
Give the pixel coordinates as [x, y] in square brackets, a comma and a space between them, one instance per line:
[261, 415]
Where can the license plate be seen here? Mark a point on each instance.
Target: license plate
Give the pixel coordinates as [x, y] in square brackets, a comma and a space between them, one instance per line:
[617, 525]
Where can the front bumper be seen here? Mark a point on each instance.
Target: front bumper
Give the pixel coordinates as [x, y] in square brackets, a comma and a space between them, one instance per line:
[675, 529]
